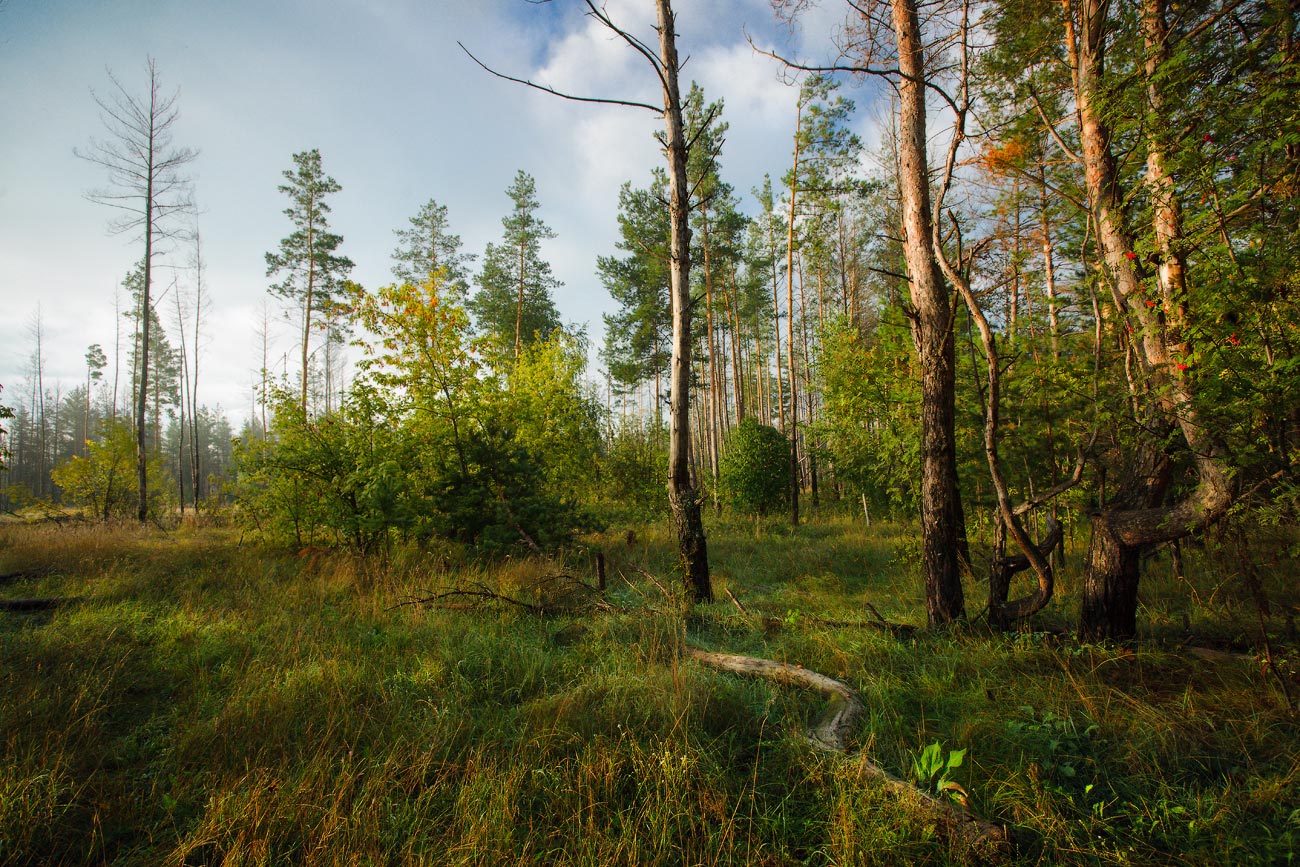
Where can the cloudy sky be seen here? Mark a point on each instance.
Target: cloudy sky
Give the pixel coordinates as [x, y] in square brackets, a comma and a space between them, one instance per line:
[400, 116]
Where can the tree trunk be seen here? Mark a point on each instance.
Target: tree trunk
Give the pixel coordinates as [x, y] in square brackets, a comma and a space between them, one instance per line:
[682, 496]
[310, 299]
[1135, 519]
[141, 454]
[789, 333]
[943, 531]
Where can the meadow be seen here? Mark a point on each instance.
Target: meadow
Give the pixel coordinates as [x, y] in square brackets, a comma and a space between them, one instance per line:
[207, 700]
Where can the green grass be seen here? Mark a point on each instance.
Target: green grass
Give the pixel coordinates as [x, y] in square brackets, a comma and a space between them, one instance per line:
[212, 703]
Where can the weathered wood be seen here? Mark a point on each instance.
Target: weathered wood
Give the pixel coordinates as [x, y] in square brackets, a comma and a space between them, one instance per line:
[7, 577]
[44, 603]
[833, 732]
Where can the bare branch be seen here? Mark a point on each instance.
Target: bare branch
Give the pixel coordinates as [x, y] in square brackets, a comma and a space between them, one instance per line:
[553, 92]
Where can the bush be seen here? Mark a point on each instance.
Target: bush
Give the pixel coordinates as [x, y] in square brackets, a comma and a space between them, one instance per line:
[756, 467]
[634, 471]
[105, 481]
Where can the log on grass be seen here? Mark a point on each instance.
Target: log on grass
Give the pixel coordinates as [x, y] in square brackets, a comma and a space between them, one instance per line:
[833, 731]
[44, 603]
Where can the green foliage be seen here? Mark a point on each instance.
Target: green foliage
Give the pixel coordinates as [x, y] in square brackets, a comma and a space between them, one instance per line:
[514, 307]
[871, 424]
[553, 414]
[311, 272]
[932, 772]
[755, 469]
[637, 336]
[427, 248]
[104, 480]
[339, 477]
[634, 470]
[428, 446]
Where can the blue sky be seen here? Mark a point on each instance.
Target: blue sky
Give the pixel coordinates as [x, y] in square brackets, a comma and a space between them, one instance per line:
[399, 114]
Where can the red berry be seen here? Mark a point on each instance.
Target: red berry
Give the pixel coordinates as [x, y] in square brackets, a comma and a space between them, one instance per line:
[1130, 255]
[1207, 138]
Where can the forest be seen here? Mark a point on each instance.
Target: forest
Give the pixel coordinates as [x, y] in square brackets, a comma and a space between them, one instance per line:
[936, 501]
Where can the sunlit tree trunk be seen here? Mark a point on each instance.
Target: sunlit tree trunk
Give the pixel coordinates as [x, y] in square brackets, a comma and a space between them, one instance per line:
[943, 530]
[682, 496]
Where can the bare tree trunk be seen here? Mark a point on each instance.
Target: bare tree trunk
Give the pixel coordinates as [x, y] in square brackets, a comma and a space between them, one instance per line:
[1049, 267]
[789, 324]
[682, 496]
[141, 457]
[712, 365]
[195, 442]
[943, 531]
[519, 304]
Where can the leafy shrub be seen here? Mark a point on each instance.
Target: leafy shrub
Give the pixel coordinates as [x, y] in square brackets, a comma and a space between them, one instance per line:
[756, 467]
[105, 481]
[634, 471]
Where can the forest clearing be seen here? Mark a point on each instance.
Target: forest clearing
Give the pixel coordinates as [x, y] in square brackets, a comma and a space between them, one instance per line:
[935, 501]
[210, 702]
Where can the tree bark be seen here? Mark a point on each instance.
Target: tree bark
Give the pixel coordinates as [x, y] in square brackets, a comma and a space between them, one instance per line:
[1136, 518]
[682, 496]
[943, 527]
[141, 452]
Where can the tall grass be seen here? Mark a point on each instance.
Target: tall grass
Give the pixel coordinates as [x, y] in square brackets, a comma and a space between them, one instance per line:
[214, 703]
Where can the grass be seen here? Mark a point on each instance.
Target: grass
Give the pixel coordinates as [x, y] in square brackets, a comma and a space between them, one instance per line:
[216, 703]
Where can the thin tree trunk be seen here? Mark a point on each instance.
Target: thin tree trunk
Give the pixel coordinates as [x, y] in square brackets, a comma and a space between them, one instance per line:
[789, 336]
[682, 497]
[141, 456]
[311, 290]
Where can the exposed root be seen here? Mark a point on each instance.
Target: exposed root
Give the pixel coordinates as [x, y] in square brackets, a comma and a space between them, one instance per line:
[833, 733]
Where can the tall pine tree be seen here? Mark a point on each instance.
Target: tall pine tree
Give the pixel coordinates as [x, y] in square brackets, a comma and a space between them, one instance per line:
[312, 272]
[513, 306]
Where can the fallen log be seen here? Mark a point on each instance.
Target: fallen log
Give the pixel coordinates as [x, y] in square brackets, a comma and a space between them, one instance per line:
[833, 733]
[44, 603]
[21, 574]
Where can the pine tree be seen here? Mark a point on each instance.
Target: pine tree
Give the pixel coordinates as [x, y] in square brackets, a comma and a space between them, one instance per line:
[513, 306]
[313, 274]
[428, 246]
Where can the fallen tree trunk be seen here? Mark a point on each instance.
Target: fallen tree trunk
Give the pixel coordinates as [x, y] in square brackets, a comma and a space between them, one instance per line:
[833, 732]
[22, 574]
[44, 603]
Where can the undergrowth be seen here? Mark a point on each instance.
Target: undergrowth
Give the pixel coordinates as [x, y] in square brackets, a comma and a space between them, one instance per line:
[208, 702]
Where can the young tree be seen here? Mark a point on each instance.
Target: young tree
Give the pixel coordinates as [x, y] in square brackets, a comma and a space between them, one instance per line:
[96, 361]
[428, 246]
[513, 306]
[682, 494]
[636, 336]
[313, 273]
[147, 186]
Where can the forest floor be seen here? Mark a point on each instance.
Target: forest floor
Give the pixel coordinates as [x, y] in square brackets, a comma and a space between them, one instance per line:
[206, 701]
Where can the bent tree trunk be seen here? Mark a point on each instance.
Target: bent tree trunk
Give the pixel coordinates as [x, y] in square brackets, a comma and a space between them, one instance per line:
[682, 496]
[1136, 518]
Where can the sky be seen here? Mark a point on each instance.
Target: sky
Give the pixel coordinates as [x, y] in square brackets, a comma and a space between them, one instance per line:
[400, 115]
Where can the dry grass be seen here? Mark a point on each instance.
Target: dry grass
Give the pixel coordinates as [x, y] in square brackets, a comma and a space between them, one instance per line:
[216, 703]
